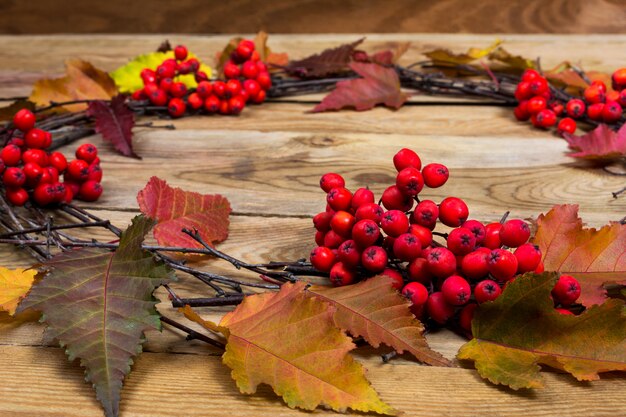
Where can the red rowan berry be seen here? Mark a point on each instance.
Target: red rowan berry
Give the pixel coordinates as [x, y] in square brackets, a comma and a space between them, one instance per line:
[521, 111]
[566, 291]
[322, 258]
[341, 275]
[514, 233]
[249, 70]
[474, 265]
[453, 211]
[212, 104]
[158, 97]
[438, 309]
[180, 52]
[44, 194]
[166, 84]
[619, 79]
[456, 290]
[348, 253]
[477, 229]
[362, 196]
[24, 120]
[425, 214]
[594, 94]
[567, 124]
[528, 257]
[231, 70]
[342, 223]
[536, 104]
[11, 155]
[530, 74]
[441, 262]
[410, 181]
[90, 191]
[252, 87]
[461, 241]
[332, 239]
[201, 76]
[492, 236]
[259, 98]
[611, 112]
[95, 173]
[394, 199]
[466, 316]
[204, 89]
[502, 264]
[233, 87]
[405, 158]
[435, 175]
[374, 259]
[486, 290]
[35, 138]
[236, 104]
[565, 311]
[539, 86]
[244, 51]
[264, 80]
[424, 234]
[365, 233]
[397, 281]
[14, 177]
[417, 293]
[394, 223]
[330, 181]
[339, 198]
[575, 108]
[178, 89]
[544, 119]
[418, 271]
[37, 156]
[224, 107]
[194, 63]
[371, 211]
[407, 247]
[195, 101]
[166, 71]
[87, 152]
[557, 107]
[17, 196]
[219, 89]
[319, 238]
[78, 169]
[522, 91]
[612, 96]
[33, 172]
[321, 221]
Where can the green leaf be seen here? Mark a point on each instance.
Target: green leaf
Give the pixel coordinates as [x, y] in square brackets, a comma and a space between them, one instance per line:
[128, 79]
[98, 304]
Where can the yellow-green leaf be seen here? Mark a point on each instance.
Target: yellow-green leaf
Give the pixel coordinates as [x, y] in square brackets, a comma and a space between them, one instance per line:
[445, 56]
[14, 284]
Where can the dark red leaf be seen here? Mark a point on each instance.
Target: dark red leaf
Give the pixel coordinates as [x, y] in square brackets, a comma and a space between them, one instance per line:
[379, 85]
[329, 62]
[601, 144]
[115, 121]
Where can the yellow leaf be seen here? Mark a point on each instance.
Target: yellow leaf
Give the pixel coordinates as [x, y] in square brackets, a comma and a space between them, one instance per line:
[14, 284]
[444, 56]
[82, 81]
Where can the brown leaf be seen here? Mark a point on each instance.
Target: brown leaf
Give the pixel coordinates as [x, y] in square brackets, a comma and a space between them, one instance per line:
[272, 59]
[374, 310]
[594, 257]
[115, 121]
[165, 46]
[600, 145]
[379, 85]
[329, 62]
[82, 81]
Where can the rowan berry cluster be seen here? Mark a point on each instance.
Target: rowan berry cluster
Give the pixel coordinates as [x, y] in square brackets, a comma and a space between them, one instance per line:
[358, 237]
[30, 172]
[247, 81]
[537, 104]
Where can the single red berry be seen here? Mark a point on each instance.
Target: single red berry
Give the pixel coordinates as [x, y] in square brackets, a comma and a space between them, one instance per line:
[348, 253]
[514, 233]
[342, 223]
[557, 107]
[58, 160]
[90, 191]
[502, 264]
[46, 177]
[319, 238]
[37, 156]
[87, 152]
[600, 85]
[419, 272]
[594, 111]
[521, 111]
[212, 104]
[619, 79]
[249, 70]
[410, 181]
[176, 107]
[456, 290]
[54, 173]
[407, 247]
[394, 223]
[565, 311]
[438, 309]
[530, 74]
[466, 316]
[536, 104]
[394, 199]
[528, 257]
[233, 87]
[566, 291]
[441, 262]
[362, 196]
[24, 120]
[371, 211]
[575, 108]
[201, 76]
[341, 275]
[453, 211]
[180, 52]
[322, 258]
[148, 76]
[14, 177]
[224, 107]
[539, 86]
[594, 94]
[184, 68]
[611, 112]
[259, 98]
[612, 96]
[19, 142]
[487, 290]
[417, 293]
[252, 87]
[261, 66]
[236, 104]
[492, 236]
[194, 63]
[374, 259]
[231, 70]
[544, 119]
[219, 89]
[397, 281]
[568, 125]
[321, 221]
[425, 214]
[33, 173]
[406, 158]
[158, 97]
[17, 196]
[95, 173]
[461, 241]
[243, 51]
[333, 240]
[477, 229]
[204, 89]
[44, 194]
[35, 138]
[166, 84]
[178, 89]
[474, 265]
[540, 268]
[330, 181]
[424, 234]
[73, 186]
[11, 155]
[522, 91]
[60, 192]
[339, 198]
[264, 80]
[365, 233]
[166, 71]
[195, 101]
[78, 169]
[435, 175]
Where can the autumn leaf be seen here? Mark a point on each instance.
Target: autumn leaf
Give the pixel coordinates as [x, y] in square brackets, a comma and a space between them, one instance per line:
[329, 62]
[128, 79]
[594, 257]
[513, 62]
[571, 77]
[272, 59]
[374, 310]
[386, 57]
[115, 121]
[447, 57]
[14, 284]
[82, 81]
[602, 144]
[175, 209]
[290, 342]
[521, 329]
[379, 85]
[98, 303]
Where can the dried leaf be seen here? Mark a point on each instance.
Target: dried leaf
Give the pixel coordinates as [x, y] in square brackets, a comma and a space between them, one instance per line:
[514, 62]
[379, 85]
[7, 112]
[289, 341]
[82, 81]
[385, 57]
[522, 329]
[14, 284]
[374, 310]
[329, 62]
[115, 121]
[224, 55]
[128, 79]
[602, 144]
[98, 304]
[272, 59]
[165, 46]
[594, 257]
[446, 57]
[569, 76]
[175, 209]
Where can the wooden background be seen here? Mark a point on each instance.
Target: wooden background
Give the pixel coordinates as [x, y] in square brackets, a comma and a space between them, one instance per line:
[312, 16]
[268, 162]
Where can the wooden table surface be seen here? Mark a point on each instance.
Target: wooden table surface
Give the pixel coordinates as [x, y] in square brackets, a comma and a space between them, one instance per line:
[268, 162]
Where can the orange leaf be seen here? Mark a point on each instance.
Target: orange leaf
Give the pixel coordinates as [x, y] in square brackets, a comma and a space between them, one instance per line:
[266, 54]
[522, 329]
[175, 209]
[374, 310]
[14, 284]
[289, 341]
[594, 257]
[82, 81]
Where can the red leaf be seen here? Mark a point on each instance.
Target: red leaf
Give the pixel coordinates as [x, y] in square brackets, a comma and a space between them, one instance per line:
[379, 85]
[330, 61]
[602, 143]
[175, 209]
[115, 121]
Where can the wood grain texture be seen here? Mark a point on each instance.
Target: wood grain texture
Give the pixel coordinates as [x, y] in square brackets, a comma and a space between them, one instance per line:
[312, 16]
[267, 162]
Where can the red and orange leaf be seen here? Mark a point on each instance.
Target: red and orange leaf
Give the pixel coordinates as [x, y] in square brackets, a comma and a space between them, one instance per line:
[386, 57]
[521, 329]
[601, 144]
[176, 209]
[379, 85]
[594, 257]
[289, 341]
[272, 59]
[14, 284]
[82, 81]
[329, 62]
[374, 310]
[115, 121]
